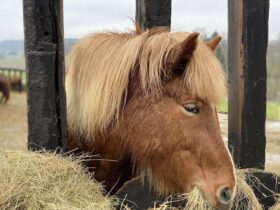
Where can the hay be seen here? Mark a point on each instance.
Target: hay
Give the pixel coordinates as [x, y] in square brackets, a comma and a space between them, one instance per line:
[47, 181]
[276, 206]
[245, 198]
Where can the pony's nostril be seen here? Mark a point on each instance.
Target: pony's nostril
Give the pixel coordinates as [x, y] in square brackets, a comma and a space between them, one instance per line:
[224, 195]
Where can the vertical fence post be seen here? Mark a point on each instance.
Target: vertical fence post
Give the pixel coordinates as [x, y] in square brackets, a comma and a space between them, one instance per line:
[248, 37]
[149, 14]
[44, 51]
[153, 13]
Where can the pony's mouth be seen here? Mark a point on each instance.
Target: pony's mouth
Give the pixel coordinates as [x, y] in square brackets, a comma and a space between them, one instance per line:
[221, 200]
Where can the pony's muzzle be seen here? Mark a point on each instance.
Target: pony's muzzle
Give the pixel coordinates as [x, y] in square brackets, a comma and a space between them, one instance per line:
[224, 197]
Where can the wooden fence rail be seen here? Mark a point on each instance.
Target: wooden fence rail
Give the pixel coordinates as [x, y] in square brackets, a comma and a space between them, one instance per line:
[15, 73]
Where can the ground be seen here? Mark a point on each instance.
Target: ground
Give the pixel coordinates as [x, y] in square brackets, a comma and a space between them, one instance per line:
[13, 123]
[13, 130]
[272, 145]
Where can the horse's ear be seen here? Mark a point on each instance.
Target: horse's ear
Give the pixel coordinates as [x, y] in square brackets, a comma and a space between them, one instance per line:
[137, 26]
[138, 29]
[213, 43]
[183, 52]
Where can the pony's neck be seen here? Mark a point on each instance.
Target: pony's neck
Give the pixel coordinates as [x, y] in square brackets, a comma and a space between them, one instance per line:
[110, 164]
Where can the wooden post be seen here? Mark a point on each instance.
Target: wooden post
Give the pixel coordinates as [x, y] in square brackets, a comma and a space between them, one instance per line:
[149, 14]
[248, 37]
[44, 51]
[153, 13]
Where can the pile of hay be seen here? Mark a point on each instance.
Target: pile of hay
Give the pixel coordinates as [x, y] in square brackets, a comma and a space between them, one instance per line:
[47, 181]
[31, 180]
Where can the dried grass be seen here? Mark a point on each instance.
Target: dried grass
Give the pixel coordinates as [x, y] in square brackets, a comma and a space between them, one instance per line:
[277, 205]
[245, 198]
[31, 180]
[46, 181]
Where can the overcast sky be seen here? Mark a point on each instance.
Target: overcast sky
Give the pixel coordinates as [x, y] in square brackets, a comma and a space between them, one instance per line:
[86, 16]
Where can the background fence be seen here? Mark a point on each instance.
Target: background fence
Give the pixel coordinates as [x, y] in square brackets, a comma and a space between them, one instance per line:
[16, 76]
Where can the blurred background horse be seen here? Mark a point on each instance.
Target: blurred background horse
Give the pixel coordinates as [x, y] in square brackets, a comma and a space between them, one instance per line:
[5, 89]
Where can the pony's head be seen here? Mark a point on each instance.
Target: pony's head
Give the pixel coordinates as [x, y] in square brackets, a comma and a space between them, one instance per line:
[156, 93]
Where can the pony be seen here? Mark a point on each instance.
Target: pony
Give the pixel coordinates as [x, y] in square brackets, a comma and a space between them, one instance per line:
[5, 89]
[16, 83]
[145, 103]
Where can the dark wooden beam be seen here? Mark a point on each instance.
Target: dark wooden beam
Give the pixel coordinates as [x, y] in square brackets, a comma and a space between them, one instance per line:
[153, 13]
[44, 52]
[248, 37]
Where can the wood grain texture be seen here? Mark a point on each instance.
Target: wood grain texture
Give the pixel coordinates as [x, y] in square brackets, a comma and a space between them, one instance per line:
[153, 13]
[247, 35]
[44, 51]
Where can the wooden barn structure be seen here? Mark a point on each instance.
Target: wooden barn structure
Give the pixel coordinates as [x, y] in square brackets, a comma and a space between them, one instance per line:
[247, 41]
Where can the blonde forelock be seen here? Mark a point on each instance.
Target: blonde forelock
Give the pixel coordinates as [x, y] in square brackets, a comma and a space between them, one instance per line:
[101, 65]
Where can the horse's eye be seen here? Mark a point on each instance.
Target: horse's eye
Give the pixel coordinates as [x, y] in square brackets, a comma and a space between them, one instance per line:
[192, 108]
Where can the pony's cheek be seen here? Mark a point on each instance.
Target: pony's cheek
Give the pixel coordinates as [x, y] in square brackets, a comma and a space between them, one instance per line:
[188, 130]
[189, 169]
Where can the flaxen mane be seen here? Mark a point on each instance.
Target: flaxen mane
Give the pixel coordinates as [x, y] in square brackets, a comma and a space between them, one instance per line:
[101, 66]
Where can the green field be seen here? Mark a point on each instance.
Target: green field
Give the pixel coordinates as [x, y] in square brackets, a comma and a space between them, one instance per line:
[16, 62]
[272, 109]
